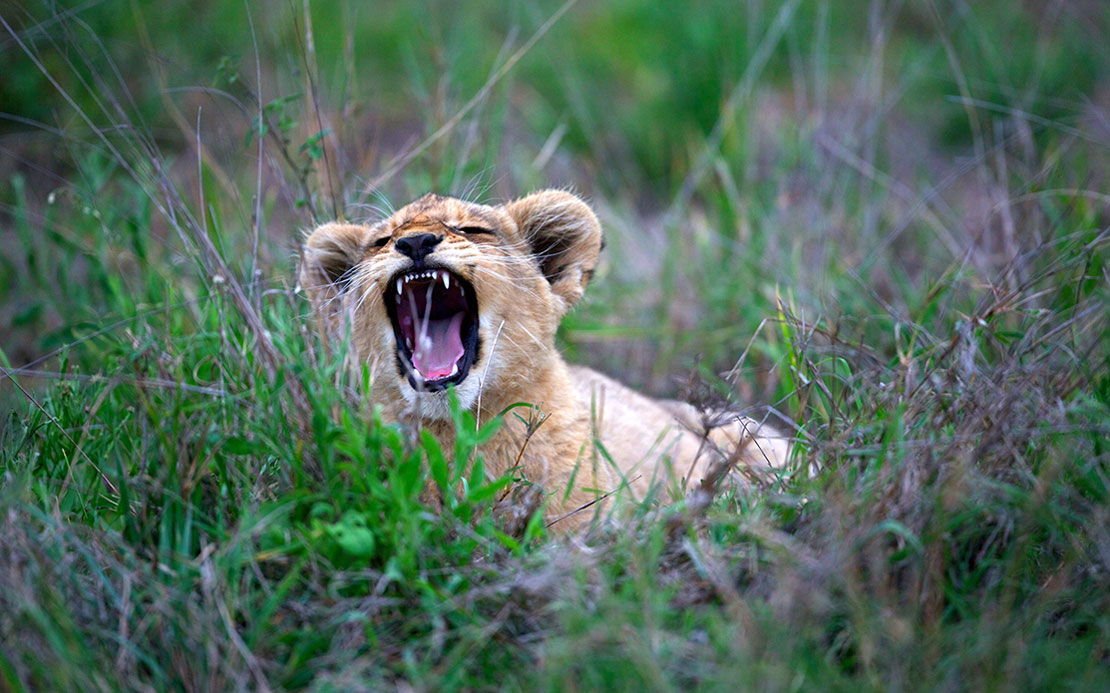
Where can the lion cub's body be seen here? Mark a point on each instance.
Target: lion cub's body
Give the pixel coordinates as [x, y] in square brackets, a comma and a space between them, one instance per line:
[447, 293]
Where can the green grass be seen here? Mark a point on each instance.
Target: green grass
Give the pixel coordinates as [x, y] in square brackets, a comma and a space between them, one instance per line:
[890, 227]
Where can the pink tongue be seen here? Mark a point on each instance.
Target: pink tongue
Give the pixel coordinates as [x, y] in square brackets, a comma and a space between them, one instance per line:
[440, 348]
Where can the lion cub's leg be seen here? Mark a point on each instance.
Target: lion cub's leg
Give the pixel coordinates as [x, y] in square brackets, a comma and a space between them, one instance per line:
[764, 450]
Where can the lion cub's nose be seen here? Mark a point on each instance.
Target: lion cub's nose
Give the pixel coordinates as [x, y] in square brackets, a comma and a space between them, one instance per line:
[418, 246]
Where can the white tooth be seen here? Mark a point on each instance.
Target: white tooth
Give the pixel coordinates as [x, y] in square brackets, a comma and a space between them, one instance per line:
[446, 280]
[454, 371]
[462, 290]
[399, 288]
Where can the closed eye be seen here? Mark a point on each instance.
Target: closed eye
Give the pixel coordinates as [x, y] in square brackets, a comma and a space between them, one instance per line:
[475, 230]
[380, 243]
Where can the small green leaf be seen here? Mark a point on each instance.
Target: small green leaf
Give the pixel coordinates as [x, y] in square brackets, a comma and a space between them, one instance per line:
[357, 541]
[314, 145]
[488, 491]
[352, 535]
[437, 463]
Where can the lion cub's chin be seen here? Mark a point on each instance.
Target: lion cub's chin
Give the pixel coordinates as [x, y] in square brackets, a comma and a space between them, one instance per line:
[436, 406]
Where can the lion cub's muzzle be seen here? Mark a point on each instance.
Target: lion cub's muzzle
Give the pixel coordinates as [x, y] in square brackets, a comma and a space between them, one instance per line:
[435, 322]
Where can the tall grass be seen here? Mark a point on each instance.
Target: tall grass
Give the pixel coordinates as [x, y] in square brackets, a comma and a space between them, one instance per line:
[890, 226]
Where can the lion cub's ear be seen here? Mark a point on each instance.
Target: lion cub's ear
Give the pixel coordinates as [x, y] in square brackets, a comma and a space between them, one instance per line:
[564, 236]
[328, 255]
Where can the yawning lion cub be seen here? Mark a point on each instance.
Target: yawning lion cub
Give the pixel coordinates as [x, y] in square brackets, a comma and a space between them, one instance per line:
[448, 293]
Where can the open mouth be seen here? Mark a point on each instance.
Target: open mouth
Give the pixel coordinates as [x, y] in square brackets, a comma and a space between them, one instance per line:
[435, 320]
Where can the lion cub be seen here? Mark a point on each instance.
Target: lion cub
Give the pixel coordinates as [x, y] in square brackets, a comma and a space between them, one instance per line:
[452, 294]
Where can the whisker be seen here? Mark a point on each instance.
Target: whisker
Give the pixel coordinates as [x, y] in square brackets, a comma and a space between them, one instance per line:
[534, 337]
[485, 371]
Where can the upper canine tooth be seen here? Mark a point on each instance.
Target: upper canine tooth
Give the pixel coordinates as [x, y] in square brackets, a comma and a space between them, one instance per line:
[399, 281]
[446, 280]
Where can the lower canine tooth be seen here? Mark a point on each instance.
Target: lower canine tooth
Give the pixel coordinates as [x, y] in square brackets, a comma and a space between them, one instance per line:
[454, 371]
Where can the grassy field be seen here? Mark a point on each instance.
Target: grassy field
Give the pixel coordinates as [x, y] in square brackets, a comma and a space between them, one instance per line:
[889, 222]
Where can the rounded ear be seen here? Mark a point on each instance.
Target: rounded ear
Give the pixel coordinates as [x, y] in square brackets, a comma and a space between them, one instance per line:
[564, 236]
[327, 258]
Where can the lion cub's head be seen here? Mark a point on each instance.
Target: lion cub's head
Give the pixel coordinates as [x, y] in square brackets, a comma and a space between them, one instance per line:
[448, 292]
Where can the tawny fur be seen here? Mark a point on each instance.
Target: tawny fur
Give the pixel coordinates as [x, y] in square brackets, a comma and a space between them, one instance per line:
[527, 276]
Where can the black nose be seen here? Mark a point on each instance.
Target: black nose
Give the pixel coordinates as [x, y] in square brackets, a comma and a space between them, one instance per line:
[418, 246]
